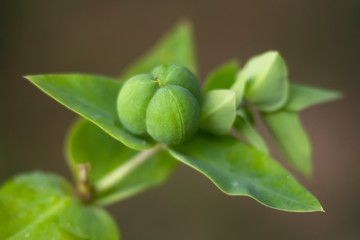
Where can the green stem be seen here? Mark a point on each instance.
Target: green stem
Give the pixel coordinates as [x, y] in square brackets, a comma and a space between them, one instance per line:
[125, 169]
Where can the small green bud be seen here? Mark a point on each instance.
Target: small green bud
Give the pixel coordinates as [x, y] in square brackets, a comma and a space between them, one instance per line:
[164, 104]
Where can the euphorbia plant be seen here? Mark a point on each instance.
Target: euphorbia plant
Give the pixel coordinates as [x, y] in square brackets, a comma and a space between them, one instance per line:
[135, 129]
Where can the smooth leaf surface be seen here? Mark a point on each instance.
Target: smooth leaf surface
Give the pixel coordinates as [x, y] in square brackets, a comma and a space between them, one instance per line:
[218, 111]
[265, 80]
[291, 138]
[245, 127]
[89, 144]
[222, 77]
[175, 47]
[92, 97]
[302, 97]
[238, 169]
[41, 206]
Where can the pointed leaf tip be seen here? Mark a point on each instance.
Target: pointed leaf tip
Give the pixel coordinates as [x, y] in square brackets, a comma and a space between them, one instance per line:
[302, 96]
[238, 169]
[92, 97]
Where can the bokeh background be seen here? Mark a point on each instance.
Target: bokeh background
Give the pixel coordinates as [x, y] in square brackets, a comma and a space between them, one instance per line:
[320, 41]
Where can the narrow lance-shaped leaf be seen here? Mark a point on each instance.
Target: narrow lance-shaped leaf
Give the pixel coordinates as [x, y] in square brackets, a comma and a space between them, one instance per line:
[248, 131]
[265, 80]
[89, 144]
[291, 139]
[238, 169]
[222, 77]
[175, 47]
[302, 97]
[42, 206]
[92, 97]
[218, 111]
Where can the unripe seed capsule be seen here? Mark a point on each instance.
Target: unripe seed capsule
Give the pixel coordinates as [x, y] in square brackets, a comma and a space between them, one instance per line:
[164, 104]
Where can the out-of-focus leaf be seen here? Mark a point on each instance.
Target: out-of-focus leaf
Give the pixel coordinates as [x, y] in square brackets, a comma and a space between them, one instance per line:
[238, 169]
[222, 77]
[302, 96]
[265, 80]
[175, 47]
[89, 144]
[218, 111]
[248, 131]
[291, 139]
[41, 206]
[92, 97]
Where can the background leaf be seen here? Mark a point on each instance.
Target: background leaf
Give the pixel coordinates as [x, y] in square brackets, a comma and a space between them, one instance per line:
[218, 111]
[302, 97]
[92, 97]
[244, 125]
[41, 206]
[222, 77]
[89, 144]
[265, 79]
[291, 139]
[238, 169]
[176, 47]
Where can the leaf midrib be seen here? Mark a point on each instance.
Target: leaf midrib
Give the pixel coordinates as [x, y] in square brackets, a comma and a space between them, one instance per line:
[52, 211]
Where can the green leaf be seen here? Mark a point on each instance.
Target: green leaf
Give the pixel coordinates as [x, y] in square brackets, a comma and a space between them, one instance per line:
[302, 96]
[88, 144]
[42, 206]
[291, 139]
[245, 127]
[175, 47]
[218, 111]
[222, 77]
[238, 169]
[92, 97]
[265, 80]
[239, 88]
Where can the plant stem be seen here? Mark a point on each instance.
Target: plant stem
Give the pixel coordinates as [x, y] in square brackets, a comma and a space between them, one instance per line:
[84, 188]
[122, 171]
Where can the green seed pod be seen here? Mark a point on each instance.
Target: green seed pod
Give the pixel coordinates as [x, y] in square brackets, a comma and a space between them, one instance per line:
[164, 104]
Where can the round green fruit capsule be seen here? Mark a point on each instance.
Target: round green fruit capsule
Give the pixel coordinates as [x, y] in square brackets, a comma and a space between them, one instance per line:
[164, 104]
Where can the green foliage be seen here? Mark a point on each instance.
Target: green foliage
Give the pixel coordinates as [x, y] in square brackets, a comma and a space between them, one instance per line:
[88, 144]
[177, 47]
[302, 96]
[92, 97]
[245, 127]
[42, 206]
[291, 138]
[222, 77]
[238, 169]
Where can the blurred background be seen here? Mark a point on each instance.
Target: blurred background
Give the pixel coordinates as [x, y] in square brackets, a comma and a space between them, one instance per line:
[320, 41]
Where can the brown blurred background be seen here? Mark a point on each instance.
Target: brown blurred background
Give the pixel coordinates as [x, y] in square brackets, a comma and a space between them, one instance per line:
[320, 41]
